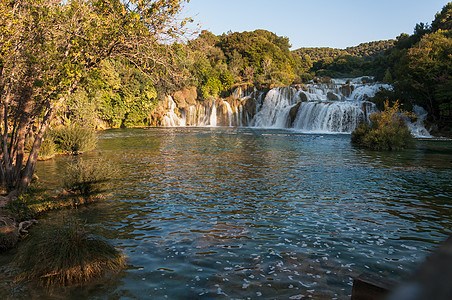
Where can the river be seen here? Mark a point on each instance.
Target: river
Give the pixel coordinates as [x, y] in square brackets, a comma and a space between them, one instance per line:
[221, 213]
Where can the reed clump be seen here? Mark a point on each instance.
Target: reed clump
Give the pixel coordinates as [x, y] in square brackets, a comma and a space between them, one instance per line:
[87, 178]
[73, 139]
[66, 254]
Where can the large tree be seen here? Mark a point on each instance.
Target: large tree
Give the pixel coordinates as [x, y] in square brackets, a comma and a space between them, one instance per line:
[48, 46]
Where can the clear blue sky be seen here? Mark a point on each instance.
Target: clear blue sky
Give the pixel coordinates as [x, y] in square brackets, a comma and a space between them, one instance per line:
[316, 23]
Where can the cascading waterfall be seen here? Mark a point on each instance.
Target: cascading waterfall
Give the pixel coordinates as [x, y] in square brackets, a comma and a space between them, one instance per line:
[230, 112]
[213, 115]
[332, 116]
[334, 107]
[171, 119]
[275, 109]
[417, 127]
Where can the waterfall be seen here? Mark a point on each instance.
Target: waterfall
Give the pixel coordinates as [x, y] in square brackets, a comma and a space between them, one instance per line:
[171, 119]
[337, 106]
[417, 127]
[213, 115]
[230, 113]
[332, 116]
[275, 108]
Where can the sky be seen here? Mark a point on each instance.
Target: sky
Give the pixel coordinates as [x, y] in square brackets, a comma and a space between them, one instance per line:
[316, 23]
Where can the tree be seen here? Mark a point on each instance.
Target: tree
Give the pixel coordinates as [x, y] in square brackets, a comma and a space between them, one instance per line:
[443, 20]
[387, 131]
[48, 46]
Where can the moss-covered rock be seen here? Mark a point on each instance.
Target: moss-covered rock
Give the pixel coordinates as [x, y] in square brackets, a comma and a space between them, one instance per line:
[250, 106]
[332, 96]
[293, 112]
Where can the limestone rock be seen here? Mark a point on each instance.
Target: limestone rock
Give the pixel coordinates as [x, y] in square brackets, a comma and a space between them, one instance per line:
[303, 97]
[293, 112]
[332, 96]
[346, 90]
[250, 106]
[186, 97]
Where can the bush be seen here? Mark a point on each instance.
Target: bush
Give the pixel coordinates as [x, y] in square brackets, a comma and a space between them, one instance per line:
[388, 130]
[62, 255]
[88, 178]
[73, 139]
[47, 149]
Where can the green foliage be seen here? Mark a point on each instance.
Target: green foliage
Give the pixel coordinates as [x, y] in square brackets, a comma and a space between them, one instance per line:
[88, 178]
[443, 20]
[73, 139]
[116, 93]
[426, 71]
[47, 149]
[20, 208]
[366, 51]
[68, 254]
[388, 77]
[258, 58]
[387, 131]
[34, 202]
[350, 62]
[420, 66]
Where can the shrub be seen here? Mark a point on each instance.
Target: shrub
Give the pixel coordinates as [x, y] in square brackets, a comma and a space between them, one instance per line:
[47, 149]
[62, 255]
[387, 131]
[88, 178]
[73, 139]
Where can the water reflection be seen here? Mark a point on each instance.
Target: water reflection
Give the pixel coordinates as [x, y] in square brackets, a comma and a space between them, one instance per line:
[237, 213]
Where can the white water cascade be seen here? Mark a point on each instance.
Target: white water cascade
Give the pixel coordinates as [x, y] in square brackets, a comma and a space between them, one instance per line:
[333, 107]
[417, 127]
[171, 119]
[331, 117]
[337, 106]
[213, 115]
[275, 109]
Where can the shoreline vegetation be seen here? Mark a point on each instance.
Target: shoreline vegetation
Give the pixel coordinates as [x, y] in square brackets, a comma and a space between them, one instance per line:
[66, 70]
[74, 254]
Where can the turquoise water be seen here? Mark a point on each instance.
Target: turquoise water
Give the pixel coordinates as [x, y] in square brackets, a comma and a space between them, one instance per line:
[220, 213]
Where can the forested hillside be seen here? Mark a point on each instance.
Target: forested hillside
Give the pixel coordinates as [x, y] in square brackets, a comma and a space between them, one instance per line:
[418, 66]
[364, 50]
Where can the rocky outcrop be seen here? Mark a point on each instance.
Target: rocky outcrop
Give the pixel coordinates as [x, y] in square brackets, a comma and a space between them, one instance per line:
[301, 86]
[186, 97]
[250, 106]
[332, 96]
[10, 230]
[293, 112]
[303, 97]
[346, 90]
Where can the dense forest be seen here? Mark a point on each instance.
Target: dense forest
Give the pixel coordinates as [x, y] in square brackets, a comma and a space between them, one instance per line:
[418, 65]
[364, 50]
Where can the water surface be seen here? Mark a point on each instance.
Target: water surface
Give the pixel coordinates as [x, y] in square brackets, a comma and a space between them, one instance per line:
[219, 213]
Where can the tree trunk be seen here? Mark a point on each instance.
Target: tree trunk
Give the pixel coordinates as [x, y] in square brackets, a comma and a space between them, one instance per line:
[27, 174]
[21, 131]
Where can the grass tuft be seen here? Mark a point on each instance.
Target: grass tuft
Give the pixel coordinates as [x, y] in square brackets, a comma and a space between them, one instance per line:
[63, 255]
[73, 139]
[88, 178]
